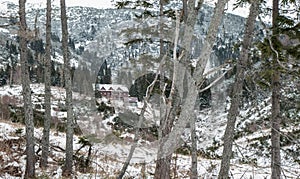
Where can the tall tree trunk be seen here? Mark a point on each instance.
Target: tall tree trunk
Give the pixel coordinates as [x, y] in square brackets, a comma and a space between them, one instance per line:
[184, 10]
[276, 119]
[47, 80]
[194, 172]
[237, 91]
[162, 168]
[68, 87]
[30, 155]
[161, 15]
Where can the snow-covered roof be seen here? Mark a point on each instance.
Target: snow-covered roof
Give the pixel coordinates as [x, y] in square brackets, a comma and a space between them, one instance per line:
[112, 87]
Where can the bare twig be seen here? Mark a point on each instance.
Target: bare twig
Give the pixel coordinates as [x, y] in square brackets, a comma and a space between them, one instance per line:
[215, 81]
[137, 128]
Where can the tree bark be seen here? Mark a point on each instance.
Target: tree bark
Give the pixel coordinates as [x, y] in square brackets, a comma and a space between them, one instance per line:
[161, 15]
[68, 87]
[194, 172]
[209, 41]
[30, 155]
[184, 10]
[276, 118]
[47, 80]
[237, 91]
[162, 167]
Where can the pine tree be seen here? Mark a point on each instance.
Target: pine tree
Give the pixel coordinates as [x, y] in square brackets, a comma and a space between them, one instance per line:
[30, 154]
[104, 74]
[47, 80]
[68, 86]
[281, 52]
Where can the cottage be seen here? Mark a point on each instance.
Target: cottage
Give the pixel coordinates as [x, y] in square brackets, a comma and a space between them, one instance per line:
[113, 91]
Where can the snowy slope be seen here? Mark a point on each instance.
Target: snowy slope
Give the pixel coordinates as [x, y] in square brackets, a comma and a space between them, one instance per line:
[252, 145]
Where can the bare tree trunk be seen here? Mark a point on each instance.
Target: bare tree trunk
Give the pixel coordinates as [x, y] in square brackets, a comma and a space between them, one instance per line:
[184, 10]
[47, 80]
[162, 168]
[194, 172]
[275, 131]
[30, 155]
[187, 108]
[209, 41]
[276, 119]
[161, 15]
[237, 91]
[167, 116]
[68, 87]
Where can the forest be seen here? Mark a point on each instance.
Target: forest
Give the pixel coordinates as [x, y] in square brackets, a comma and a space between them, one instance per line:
[150, 89]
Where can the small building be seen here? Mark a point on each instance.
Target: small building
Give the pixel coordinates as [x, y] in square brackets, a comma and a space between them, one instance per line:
[113, 91]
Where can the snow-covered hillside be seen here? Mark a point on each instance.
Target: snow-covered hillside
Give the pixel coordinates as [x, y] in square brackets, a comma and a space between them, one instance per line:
[110, 149]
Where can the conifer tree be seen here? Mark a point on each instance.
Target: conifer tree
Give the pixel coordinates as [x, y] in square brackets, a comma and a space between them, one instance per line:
[282, 52]
[47, 80]
[68, 86]
[30, 154]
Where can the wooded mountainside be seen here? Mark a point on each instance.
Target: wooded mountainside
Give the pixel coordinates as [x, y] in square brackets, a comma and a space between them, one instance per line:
[150, 89]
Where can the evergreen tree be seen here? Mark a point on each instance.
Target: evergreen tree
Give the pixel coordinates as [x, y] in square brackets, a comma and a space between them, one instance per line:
[68, 87]
[47, 77]
[104, 74]
[281, 52]
[28, 111]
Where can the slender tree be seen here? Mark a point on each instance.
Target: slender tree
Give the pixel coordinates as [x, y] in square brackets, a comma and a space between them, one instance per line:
[184, 10]
[30, 155]
[162, 169]
[68, 87]
[237, 90]
[194, 172]
[47, 80]
[275, 116]
[282, 46]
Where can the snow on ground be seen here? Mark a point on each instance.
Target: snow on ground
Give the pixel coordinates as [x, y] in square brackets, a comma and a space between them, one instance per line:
[109, 158]
[110, 150]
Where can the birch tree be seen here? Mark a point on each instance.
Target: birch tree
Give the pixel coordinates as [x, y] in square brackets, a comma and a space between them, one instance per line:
[47, 80]
[28, 112]
[68, 87]
[171, 142]
[237, 90]
[168, 114]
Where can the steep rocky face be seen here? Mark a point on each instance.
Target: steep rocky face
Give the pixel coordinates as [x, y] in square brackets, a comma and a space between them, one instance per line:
[129, 45]
[95, 34]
